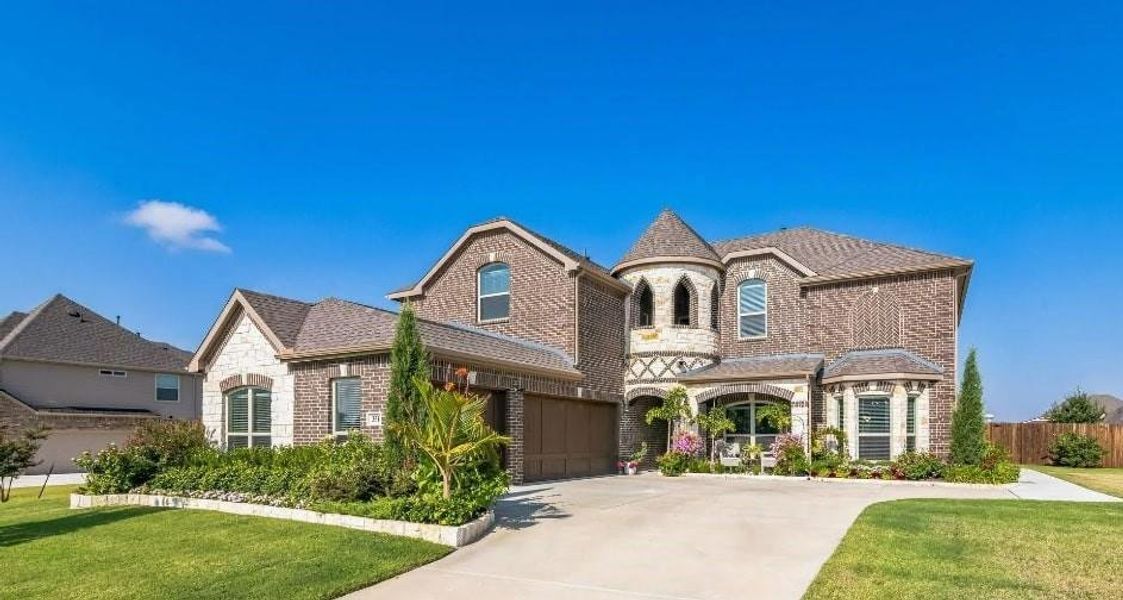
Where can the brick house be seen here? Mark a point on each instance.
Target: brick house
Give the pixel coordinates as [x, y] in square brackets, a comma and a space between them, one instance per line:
[849, 332]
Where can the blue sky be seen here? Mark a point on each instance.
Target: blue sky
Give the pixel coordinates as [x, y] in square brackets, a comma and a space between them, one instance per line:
[341, 150]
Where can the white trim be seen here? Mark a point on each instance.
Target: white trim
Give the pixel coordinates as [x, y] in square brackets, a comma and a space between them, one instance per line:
[249, 434]
[883, 377]
[335, 406]
[480, 295]
[226, 319]
[888, 435]
[156, 388]
[741, 336]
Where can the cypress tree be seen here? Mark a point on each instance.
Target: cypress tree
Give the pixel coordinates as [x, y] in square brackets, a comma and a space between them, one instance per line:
[968, 434]
[408, 359]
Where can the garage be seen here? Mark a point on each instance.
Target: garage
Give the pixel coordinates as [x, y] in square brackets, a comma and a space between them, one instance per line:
[62, 445]
[568, 438]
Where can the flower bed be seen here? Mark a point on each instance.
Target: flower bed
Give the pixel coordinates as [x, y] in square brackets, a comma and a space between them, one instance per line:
[242, 504]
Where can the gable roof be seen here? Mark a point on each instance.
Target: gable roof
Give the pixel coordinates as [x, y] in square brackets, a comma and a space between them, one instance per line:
[666, 239]
[61, 330]
[569, 258]
[894, 363]
[332, 327]
[828, 256]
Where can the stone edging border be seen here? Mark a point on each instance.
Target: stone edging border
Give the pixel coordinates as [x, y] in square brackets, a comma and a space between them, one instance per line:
[440, 534]
[904, 482]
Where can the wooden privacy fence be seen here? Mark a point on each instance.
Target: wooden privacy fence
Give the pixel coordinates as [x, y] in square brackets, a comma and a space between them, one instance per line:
[1029, 443]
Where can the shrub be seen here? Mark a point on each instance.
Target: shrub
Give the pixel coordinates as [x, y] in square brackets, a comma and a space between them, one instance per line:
[791, 458]
[995, 468]
[1076, 450]
[917, 466]
[115, 470]
[687, 442]
[168, 442]
[673, 464]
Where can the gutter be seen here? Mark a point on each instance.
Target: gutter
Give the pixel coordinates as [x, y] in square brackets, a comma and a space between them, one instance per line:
[451, 355]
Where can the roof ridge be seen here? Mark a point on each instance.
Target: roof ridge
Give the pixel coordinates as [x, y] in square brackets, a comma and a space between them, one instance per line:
[274, 296]
[762, 234]
[31, 316]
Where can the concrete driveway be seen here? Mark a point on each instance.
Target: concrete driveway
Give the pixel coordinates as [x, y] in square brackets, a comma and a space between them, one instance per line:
[657, 537]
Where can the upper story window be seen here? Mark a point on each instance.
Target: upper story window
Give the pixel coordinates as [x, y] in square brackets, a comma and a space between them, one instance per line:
[645, 309]
[752, 309]
[682, 304]
[494, 299]
[167, 388]
[715, 301]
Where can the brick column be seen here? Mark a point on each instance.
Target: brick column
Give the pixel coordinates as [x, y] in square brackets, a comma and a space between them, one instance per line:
[515, 432]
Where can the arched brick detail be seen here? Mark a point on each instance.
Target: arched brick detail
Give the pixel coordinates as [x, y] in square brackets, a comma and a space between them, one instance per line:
[232, 382]
[250, 379]
[637, 291]
[640, 392]
[746, 388]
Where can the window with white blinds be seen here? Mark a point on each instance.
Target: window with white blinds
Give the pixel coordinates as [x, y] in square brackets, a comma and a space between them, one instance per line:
[249, 418]
[494, 292]
[873, 428]
[752, 309]
[347, 395]
[910, 426]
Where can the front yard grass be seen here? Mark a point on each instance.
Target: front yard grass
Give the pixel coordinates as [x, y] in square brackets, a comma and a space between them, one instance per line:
[1106, 480]
[978, 549]
[50, 551]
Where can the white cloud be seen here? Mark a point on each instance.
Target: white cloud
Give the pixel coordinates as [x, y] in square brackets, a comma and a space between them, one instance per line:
[177, 226]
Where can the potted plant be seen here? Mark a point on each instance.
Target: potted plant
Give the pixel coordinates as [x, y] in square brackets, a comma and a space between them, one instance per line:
[630, 465]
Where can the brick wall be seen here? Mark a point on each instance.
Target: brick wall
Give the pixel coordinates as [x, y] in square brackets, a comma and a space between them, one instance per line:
[785, 330]
[542, 306]
[926, 305]
[601, 331]
[312, 413]
[634, 430]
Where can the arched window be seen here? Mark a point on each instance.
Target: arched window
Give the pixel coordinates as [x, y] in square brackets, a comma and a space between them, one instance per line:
[682, 304]
[715, 301]
[249, 417]
[645, 305]
[752, 309]
[494, 292]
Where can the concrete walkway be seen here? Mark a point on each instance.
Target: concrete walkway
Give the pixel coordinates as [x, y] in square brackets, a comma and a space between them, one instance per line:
[1035, 485]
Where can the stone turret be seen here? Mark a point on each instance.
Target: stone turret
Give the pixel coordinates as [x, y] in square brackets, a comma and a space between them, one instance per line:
[676, 277]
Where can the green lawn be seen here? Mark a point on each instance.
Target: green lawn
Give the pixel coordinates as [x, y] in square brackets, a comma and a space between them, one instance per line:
[50, 551]
[978, 549]
[1108, 481]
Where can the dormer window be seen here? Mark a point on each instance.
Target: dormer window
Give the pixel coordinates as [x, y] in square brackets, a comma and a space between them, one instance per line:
[752, 309]
[494, 297]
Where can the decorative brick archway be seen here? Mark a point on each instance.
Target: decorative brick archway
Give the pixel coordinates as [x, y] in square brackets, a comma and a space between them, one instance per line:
[641, 392]
[745, 388]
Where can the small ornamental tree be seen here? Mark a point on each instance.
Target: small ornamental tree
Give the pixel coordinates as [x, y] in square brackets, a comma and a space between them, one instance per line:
[1078, 407]
[409, 360]
[968, 433]
[778, 415]
[716, 424]
[675, 410]
[17, 454]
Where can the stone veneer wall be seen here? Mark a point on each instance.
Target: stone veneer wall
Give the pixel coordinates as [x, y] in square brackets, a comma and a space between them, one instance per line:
[246, 351]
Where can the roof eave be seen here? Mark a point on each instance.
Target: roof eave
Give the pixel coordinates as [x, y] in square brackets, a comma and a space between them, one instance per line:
[871, 274]
[883, 377]
[451, 355]
[694, 260]
[742, 377]
[237, 301]
[801, 268]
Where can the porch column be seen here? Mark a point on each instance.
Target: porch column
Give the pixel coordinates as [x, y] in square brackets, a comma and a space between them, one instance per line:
[801, 412]
[515, 432]
[898, 420]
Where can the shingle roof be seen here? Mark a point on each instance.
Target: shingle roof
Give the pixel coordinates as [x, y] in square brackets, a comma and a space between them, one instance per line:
[333, 325]
[883, 361]
[761, 367]
[9, 323]
[669, 236]
[832, 254]
[61, 330]
[284, 316]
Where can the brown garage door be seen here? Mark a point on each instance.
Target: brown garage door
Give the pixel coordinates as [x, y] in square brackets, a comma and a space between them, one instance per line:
[568, 438]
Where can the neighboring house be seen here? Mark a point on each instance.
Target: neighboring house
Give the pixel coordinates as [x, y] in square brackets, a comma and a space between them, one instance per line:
[87, 379]
[849, 332]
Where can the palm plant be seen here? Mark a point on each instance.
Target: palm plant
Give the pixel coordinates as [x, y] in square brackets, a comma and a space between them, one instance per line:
[453, 433]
